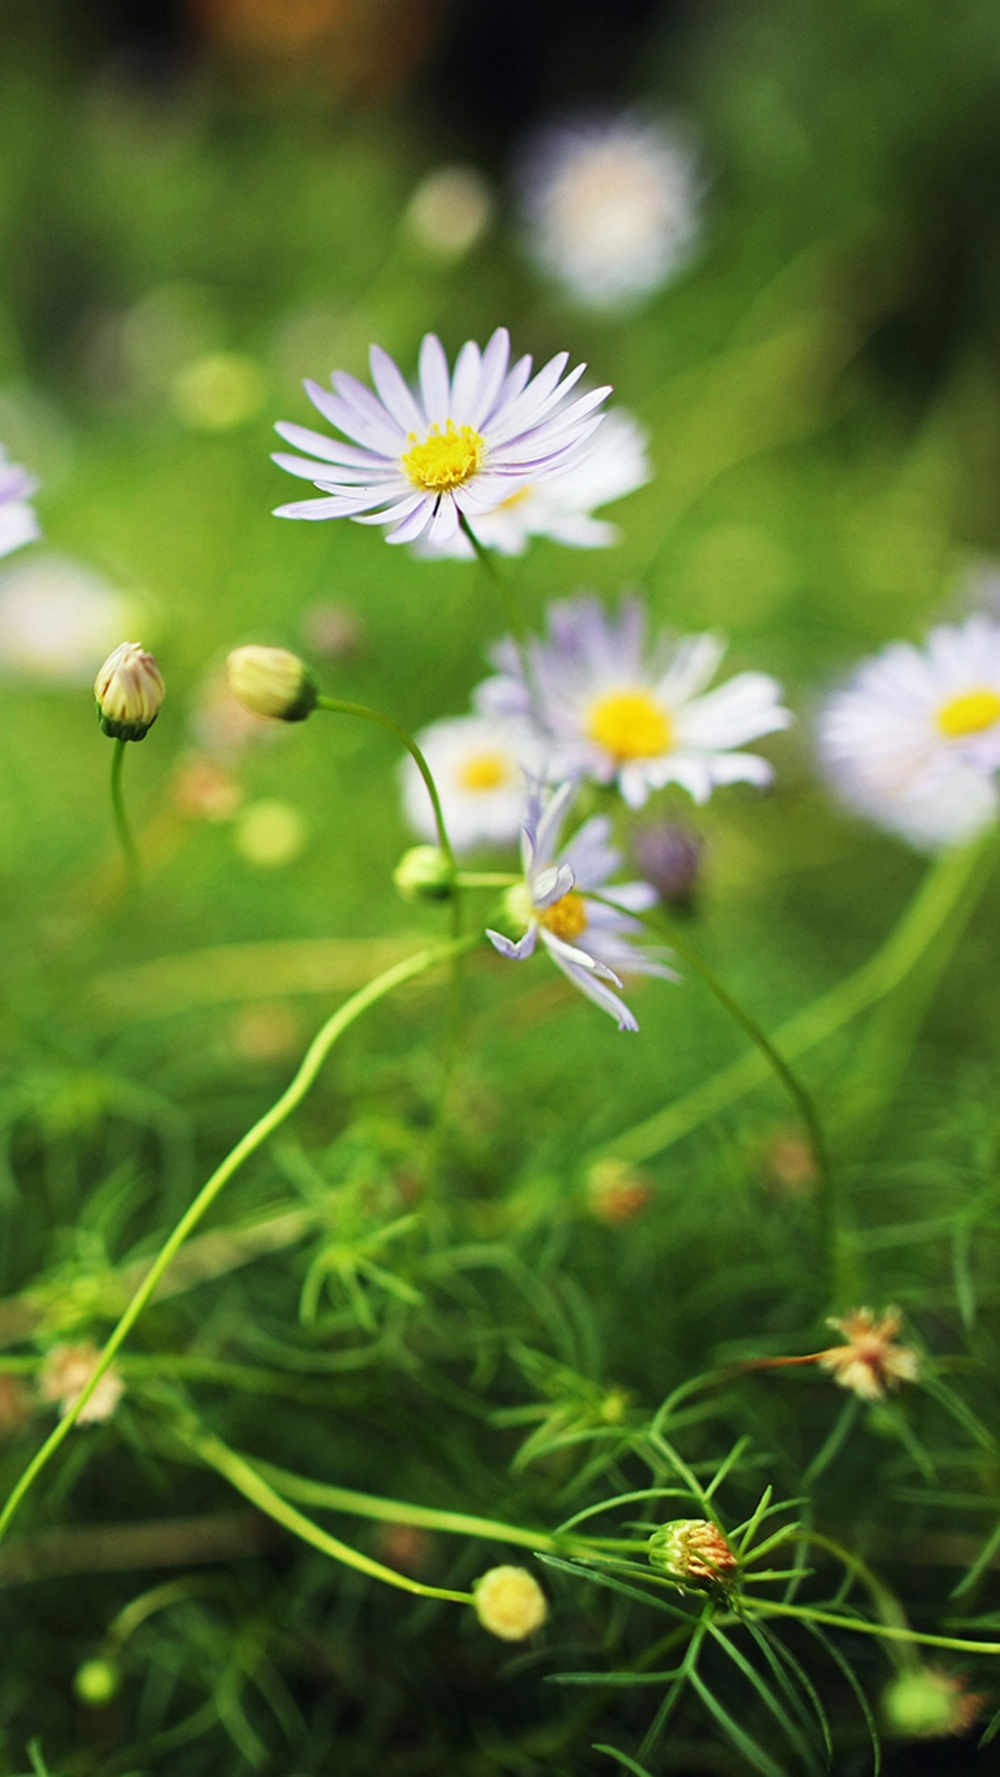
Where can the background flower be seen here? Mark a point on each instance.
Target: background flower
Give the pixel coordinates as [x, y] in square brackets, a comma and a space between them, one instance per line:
[478, 765]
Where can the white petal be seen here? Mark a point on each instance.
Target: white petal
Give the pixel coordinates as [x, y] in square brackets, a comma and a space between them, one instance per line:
[394, 392]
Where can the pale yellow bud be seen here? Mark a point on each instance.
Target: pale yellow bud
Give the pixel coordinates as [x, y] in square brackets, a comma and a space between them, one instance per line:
[129, 691]
[510, 1603]
[272, 682]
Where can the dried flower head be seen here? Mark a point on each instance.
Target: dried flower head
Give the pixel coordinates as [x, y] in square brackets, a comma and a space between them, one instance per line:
[617, 1191]
[64, 1376]
[927, 1703]
[693, 1552]
[129, 692]
[510, 1603]
[272, 682]
[870, 1362]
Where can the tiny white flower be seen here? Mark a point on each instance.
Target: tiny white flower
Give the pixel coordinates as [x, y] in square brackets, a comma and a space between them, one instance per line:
[606, 467]
[18, 520]
[455, 446]
[610, 711]
[612, 207]
[58, 620]
[913, 741]
[478, 765]
[448, 212]
[64, 1376]
[588, 941]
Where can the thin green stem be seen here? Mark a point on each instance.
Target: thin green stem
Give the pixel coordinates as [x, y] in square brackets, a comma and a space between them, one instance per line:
[512, 610]
[265, 1126]
[885, 1631]
[340, 707]
[122, 826]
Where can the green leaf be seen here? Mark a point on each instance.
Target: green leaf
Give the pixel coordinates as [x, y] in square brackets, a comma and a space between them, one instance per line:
[744, 1743]
[623, 1759]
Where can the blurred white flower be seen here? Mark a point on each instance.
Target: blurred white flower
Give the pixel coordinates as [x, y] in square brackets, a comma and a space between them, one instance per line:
[914, 740]
[610, 709]
[612, 206]
[64, 1376]
[448, 212]
[611, 464]
[58, 620]
[478, 765]
[454, 447]
[18, 522]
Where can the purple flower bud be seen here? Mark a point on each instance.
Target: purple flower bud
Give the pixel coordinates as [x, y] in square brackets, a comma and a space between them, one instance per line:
[669, 857]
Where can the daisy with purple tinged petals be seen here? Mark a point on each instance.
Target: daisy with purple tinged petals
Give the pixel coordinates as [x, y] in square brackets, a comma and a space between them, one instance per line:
[18, 521]
[610, 711]
[456, 446]
[606, 467]
[588, 941]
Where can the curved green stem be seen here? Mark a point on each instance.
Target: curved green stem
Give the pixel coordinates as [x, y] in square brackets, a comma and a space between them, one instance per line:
[856, 1625]
[265, 1126]
[340, 707]
[122, 827]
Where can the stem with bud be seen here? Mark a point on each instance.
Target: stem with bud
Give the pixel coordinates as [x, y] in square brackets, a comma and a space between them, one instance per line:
[122, 826]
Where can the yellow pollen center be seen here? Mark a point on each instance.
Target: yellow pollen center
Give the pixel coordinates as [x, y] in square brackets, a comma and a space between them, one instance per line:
[444, 460]
[630, 725]
[968, 713]
[484, 771]
[566, 918]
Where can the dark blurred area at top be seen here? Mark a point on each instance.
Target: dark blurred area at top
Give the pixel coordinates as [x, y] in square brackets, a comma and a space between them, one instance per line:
[480, 72]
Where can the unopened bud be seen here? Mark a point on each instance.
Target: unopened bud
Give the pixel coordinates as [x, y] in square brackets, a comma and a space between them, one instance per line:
[669, 857]
[928, 1703]
[129, 692]
[510, 1603]
[97, 1683]
[272, 682]
[693, 1552]
[424, 874]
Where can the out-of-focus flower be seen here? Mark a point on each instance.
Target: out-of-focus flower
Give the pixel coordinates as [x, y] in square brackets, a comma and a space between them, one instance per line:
[57, 620]
[609, 712]
[604, 468]
[218, 392]
[18, 520]
[455, 447]
[617, 1191]
[129, 692]
[204, 790]
[449, 211]
[64, 1376]
[270, 1030]
[333, 631]
[270, 834]
[693, 1551]
[912, 742]
[789, 1162]
[272, 682]
[97, 1683]
[510, 1603]
[612, 207]
[220, 725]
[870, 1362]
[589, 942]
[927, 1703]
[669, 857]
[16, 1406]
[404, 1547]
[478, 765]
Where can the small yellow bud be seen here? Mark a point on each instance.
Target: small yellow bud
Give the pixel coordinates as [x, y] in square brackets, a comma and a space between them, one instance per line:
[97, 1683]
[423, 874]
[693, 1552]
[272, 682]
[510, 1603]
[129, 692]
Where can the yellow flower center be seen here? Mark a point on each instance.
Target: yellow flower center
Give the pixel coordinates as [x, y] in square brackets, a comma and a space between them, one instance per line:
[566, 918]
[444, 460]
[484, 771]
[968, 713]
[630, 725]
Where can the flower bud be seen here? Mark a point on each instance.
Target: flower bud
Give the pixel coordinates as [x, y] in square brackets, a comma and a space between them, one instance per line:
[129, 692]
[423, 874]
[510, 1603]
[669, 857]
[272, 682]
[693, 1552]
[927, 1703]
[97, 1683]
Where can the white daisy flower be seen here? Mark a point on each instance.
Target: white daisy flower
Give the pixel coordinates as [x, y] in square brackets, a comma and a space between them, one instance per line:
[589, 942]
[560, 505]
[18, 520]
[457, 445]
[612, 207]
[478, 765]
[914, 740]
[609, 712]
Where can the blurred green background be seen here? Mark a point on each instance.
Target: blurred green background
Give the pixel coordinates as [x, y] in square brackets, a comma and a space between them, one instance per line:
[201, 207]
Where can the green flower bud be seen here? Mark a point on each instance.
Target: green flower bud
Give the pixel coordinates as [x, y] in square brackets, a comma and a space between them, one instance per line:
[510, 1603]
[424, 874]
[693, 1552]
[272, 682]
[129, 692]
[97, 1683]
[927, 1703]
